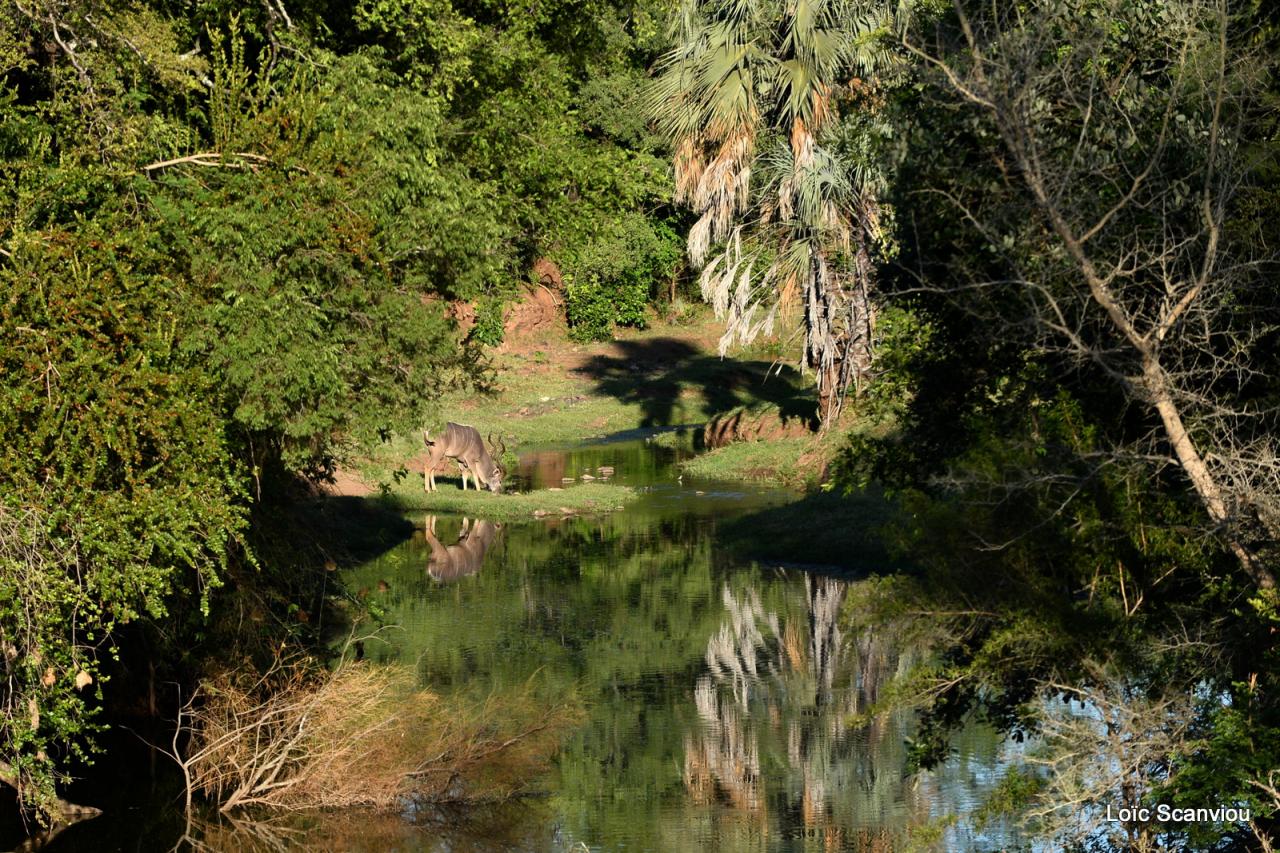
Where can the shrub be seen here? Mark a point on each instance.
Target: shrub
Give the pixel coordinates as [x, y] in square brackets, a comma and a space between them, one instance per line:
[614, 274]
[593, 307]
[489, 328]
[119, 490]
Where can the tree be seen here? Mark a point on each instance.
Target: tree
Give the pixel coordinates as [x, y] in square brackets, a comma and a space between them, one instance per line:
[1117, 132]
[119, 489]
[762, 90]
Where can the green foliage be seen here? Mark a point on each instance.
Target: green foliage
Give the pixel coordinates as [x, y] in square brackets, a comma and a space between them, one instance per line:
[120, 488]
[432, 42]
[1052, 538]
[613, 275]
[1016, 791]
[904, 341]
[490, 319]
[229, 236]
[594, 307]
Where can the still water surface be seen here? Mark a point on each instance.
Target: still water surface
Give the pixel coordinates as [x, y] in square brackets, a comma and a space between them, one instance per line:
[726, 699]
[721, 693]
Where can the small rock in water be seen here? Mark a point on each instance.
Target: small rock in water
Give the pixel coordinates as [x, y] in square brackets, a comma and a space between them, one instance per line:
[605, 470]
[566, 510]
[555, 489]
[544, 399]
[699, 492]
[539, 513]
[587, 477]
[566, 479]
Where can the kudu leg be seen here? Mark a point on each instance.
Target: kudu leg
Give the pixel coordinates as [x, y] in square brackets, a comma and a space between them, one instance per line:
[429, 476]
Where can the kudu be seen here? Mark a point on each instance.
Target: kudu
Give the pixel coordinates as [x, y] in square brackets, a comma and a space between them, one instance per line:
[463, 444]
[450, 562]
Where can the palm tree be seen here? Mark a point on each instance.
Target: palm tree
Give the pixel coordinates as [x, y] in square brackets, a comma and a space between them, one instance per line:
[758, 85]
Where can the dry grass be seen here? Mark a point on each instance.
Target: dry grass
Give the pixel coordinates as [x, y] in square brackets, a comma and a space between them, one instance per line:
[361, 735]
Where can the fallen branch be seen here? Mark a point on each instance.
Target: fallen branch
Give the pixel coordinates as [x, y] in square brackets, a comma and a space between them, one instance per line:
[208, 158]
[66, 812]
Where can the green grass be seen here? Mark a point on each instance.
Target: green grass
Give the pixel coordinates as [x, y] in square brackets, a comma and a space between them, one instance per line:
[651, 380]
[588, 498]
[676, 439]
[665, 376]
[769, 461]
[794, 462]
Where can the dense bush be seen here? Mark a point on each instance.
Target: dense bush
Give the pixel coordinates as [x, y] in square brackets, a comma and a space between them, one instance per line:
[615, 274]
[119, 486]
[490, 319]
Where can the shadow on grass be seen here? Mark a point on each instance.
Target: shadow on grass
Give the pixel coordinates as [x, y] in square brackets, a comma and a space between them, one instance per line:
[653, 373]
[822, 529]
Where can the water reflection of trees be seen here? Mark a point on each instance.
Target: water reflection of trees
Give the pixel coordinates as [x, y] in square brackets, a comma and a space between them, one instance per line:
[623, 609]
[517, 826]
[774, 742]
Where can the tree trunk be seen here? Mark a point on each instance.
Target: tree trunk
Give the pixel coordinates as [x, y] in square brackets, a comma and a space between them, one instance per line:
[1198, 472]
[67, 813]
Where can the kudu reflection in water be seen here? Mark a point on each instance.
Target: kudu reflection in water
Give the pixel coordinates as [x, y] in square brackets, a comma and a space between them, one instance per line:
[464, 557]
[787, 687]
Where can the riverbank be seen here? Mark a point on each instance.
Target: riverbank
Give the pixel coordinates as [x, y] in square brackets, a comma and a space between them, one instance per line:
[584, 499]
[544, 389]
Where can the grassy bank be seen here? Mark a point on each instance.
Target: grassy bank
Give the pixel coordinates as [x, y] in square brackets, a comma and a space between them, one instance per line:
[549, 390]
[773, 461]
[575, 500]
[667, 375]
[798, 462]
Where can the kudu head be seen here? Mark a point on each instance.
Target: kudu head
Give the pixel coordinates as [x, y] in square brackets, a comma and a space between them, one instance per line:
[492, 479]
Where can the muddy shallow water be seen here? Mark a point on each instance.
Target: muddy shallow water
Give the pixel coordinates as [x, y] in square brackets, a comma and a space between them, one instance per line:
[725, 699]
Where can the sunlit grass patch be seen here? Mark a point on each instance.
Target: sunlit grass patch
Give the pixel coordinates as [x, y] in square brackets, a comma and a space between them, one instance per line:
[676, 439]
[778, 461]
[663, 377]
[515, 506]
[798, 462]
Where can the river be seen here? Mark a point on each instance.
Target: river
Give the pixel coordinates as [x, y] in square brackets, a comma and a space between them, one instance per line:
[726, 699]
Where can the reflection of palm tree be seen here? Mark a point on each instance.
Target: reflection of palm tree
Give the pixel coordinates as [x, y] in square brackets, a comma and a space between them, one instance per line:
[788, 687]
[825, 597]
[733, 651]
[726, 756]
